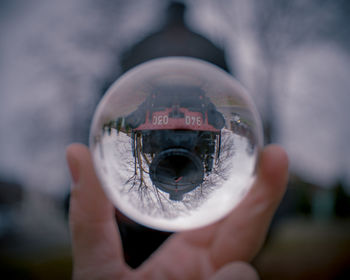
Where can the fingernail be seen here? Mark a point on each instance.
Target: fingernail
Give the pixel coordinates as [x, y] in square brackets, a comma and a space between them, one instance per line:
[73, 165]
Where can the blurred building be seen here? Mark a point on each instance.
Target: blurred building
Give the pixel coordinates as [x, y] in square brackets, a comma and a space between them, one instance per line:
[174, 38]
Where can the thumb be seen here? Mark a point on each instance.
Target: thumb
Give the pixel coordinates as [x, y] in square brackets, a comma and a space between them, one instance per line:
[236, 270]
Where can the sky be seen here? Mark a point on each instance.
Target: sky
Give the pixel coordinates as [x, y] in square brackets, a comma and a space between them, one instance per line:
[55, 57]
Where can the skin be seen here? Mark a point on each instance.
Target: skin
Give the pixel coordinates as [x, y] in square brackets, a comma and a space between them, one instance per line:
[219, 251]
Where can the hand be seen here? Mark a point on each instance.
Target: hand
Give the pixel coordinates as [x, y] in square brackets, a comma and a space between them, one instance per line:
[220, 250]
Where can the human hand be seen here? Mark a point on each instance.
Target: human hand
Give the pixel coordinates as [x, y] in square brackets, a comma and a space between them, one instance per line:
[218, 251]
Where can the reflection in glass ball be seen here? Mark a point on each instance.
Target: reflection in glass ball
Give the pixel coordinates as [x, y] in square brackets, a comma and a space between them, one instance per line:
[175, 143]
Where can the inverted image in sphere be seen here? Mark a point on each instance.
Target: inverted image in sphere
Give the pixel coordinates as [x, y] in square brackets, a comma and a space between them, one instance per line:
[175, 143]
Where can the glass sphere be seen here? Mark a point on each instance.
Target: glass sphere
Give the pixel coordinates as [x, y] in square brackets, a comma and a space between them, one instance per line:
[175, 143]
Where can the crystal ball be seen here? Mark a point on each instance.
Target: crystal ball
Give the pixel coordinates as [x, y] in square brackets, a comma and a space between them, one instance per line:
[175, 143]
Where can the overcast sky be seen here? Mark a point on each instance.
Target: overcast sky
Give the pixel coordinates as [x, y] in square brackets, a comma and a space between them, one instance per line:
[55, 56]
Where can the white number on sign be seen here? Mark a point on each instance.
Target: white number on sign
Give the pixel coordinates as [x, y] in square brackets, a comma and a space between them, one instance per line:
[191, 120]
[160, 120]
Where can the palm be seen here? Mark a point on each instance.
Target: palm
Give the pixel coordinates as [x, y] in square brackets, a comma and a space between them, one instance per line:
[196, 254]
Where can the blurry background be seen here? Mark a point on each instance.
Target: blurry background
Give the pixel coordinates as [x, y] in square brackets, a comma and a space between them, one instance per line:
[58, 57]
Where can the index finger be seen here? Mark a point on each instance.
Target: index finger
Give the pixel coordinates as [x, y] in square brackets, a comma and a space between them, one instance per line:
[241, 234]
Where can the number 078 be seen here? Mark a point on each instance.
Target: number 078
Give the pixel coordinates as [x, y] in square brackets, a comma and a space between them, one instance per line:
[192, 120]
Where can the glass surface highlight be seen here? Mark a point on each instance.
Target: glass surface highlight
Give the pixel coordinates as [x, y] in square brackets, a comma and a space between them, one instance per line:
[175, 143]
